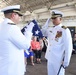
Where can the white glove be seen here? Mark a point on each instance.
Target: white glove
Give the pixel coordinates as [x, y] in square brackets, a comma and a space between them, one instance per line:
[65, 64]
[27, 52]
[30, 27]
[44, 27]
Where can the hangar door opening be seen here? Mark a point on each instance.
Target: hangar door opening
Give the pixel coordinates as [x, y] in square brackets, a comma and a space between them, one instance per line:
[72, 29]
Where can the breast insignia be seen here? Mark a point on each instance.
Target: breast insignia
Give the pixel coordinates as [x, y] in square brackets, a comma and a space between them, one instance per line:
[11, 24]
[64, 27]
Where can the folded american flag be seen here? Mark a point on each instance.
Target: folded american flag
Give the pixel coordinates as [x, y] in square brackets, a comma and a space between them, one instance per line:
[34, 28]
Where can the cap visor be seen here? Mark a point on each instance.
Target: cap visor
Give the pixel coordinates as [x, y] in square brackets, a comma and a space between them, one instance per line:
[18, 12]
[53, 17]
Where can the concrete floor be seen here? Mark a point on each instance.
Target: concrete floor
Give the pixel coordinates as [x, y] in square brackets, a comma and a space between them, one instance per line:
[71, 70]
[40, 69]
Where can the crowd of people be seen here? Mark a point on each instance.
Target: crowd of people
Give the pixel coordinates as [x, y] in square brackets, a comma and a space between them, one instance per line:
[14, 46]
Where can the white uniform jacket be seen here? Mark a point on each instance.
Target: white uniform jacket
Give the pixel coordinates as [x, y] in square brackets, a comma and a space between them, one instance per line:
[59, 47]
[12, 41]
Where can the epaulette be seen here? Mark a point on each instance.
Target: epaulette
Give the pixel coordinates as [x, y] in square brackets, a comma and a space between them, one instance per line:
[64, 27]
[11, 23]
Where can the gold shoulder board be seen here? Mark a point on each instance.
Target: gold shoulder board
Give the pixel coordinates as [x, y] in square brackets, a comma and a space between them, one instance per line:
[64, 27]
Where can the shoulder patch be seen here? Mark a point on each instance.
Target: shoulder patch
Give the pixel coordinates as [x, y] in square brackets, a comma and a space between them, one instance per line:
[11, 23]
[64, 27]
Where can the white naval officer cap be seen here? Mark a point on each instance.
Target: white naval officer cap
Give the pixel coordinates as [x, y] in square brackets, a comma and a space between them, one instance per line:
[12, 9]
[56, 13]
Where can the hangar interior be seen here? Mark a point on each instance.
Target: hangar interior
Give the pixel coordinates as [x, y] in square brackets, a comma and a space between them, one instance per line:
[41, 11]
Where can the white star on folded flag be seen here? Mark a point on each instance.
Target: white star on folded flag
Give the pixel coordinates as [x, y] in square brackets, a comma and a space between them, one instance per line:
[37, 32]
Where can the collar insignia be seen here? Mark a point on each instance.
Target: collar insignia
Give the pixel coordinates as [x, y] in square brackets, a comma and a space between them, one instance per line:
[11, 24]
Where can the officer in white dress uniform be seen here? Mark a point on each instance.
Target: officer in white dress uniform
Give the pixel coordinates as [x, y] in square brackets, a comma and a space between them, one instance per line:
[59, 47]
[12, 43]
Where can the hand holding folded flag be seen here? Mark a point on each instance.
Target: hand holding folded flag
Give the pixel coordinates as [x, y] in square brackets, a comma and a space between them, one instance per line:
[28, 27]
[27, 31]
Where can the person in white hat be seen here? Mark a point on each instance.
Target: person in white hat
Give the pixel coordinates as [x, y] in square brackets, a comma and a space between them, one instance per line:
[59, 49]
[12, 43]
